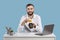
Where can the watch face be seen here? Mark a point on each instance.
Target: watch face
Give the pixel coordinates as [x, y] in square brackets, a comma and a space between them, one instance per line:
[30, 25]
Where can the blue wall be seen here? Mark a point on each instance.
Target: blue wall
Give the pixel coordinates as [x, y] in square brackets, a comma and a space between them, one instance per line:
[12, 10]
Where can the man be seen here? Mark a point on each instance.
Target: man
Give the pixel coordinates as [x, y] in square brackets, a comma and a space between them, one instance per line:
[32, 18]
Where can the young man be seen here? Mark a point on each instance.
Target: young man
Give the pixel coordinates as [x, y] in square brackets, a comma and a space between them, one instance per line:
[32, 18]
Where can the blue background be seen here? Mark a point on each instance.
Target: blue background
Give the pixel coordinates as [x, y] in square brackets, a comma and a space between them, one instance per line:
[12, 10]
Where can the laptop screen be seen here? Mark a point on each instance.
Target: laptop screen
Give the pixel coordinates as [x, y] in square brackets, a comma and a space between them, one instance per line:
[48, 28]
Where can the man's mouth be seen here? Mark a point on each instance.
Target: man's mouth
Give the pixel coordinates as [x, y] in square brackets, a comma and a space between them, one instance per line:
[30, 13]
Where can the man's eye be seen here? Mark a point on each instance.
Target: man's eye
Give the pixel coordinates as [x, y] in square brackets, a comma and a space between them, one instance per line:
[31, 8]
[28, 8]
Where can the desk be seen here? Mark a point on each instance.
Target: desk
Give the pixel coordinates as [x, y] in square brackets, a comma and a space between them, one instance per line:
[28, 36]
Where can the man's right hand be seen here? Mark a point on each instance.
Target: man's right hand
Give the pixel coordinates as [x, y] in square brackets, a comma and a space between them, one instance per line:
[25, 21]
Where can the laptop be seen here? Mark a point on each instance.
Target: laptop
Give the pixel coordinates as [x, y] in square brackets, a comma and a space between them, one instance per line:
[48, 29]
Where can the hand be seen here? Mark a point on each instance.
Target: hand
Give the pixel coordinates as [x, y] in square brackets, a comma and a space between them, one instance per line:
[35, 30]
[25, 21]
[34, 25]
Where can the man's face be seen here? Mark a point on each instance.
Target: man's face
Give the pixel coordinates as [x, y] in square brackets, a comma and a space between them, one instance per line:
[30, 10]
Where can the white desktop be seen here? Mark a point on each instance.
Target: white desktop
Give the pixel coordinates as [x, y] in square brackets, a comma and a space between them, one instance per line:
[28, 36]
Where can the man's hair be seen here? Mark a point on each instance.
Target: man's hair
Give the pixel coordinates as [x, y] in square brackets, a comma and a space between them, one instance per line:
[29, 5]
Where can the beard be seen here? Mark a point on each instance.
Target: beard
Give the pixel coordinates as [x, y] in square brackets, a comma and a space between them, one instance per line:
[29, 13]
